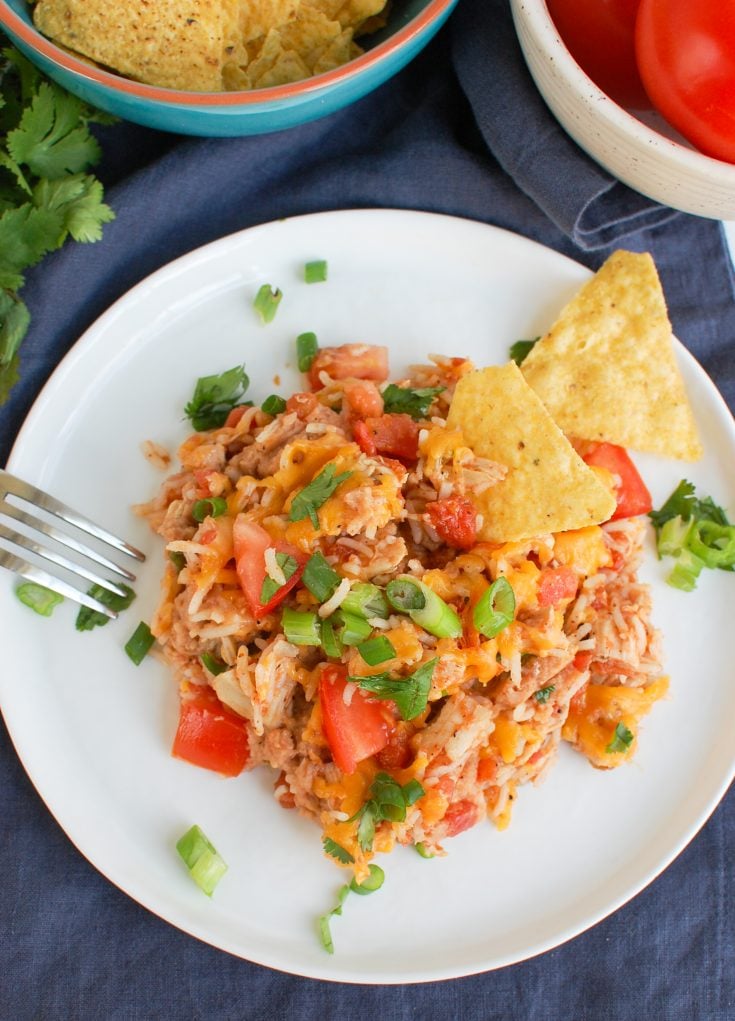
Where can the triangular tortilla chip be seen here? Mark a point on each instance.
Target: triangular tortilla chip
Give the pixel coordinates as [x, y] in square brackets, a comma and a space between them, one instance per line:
[548, 487]
[177, 44]
[607, 369]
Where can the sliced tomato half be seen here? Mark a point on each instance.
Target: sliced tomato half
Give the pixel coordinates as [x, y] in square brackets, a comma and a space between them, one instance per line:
[250, 541]
[350, 361]
[631, 493]
[210, 735]
[355, 727]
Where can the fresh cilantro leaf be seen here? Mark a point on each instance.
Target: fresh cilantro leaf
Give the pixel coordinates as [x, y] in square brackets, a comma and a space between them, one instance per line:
[335, 850]
[410, 693]
[87, 619]
[306, 503]
[77, 198]
[388, 801]
[51, 140]
[14, 320]
[407, 401]
[26, 235]
[684, 503]
[543, 694]
[622, 740]
[269, 588]
[521, 348]
[9, 375]
[214, 398]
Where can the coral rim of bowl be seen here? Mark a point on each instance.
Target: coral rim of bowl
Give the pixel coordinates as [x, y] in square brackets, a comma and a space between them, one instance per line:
[252, 97]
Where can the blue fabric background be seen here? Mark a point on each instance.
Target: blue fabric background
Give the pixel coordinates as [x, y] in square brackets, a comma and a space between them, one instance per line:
[461, 131]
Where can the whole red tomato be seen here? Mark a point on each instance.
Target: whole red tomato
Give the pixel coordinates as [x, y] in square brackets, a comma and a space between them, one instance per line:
[686, 57]
[599, 34]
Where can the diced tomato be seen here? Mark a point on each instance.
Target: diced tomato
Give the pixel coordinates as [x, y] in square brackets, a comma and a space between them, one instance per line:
[631, 493]
[356, 730]
[363, 399]
[460, 816]
[555, 584]
[455, 521]
[397, 754]
[364, 438]
[250, 541]
[582, 660]
[235, 415]
[350, 361]
[394, 434]
[210, 735]
[302, 403]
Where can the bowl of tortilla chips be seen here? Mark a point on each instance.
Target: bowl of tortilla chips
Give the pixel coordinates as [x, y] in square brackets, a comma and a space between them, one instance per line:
[221, 67]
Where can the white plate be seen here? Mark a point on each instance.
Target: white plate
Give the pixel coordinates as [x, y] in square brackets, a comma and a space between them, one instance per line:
[94, 732]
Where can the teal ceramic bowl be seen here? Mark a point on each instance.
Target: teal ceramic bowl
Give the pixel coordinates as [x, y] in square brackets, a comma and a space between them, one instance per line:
[412, 24]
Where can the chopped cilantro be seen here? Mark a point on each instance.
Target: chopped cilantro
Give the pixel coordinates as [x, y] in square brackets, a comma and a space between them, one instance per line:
[621, 741]
[521, 348]
[407, 401]
[47, 195]
[410, 693]
[388, 801]
[335, 850]
[306, 502]
[269, 588]
[214, 398]
[543, 694]
[697, 532]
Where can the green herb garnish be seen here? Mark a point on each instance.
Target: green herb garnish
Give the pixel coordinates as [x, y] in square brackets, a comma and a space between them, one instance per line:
[521, 348]
[388, 801]
[266, 302]
[210, 507]
[46, 193]
[336, 851]
[410, 693]
[270, 586]
[307, 347]
[423, 606]
[140, 643]
[301, 627]
[407, 401]
[206, 867]
[87, 618]
[544, 694]
[377, 650]
[306, 502]
[697, 532]
[273, 405]
[214, 665]
[214, 398]
[315, 272]
[622, 740]
[38, 598]
[320, 579]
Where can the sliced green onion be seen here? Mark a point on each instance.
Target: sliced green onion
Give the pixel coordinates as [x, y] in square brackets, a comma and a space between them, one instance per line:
[307, 347]
[273, 405]
[212, 664]
[495, 608]
[377, 650]
[622, 740]
[423, 851]
[323, 921]
[266, 302]
[315, 272]
[366, 600]
[139, 643]
[685, 571]
[211, 507]
[331, 642]
[87, 618]
[672, 536]
[320, 579]
[38, 598]
[206, 867]
[423, 606]
[350, 629]
[270, 586]
[370, 884]
[301, 627]
[714, 544]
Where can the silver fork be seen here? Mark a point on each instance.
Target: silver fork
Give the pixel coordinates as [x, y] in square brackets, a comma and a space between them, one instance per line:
[70, 539]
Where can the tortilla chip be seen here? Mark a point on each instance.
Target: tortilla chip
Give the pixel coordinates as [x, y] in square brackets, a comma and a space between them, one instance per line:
[177, 44]
[548, 487]
[607, 369]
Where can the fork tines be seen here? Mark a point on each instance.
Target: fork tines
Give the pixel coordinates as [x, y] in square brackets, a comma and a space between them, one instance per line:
[10, 485]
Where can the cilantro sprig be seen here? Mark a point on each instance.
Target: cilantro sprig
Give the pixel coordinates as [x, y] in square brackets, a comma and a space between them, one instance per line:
[306, 502]
[410, 693]
[414, 402]
[388, 801]
[697, 532]
[47, 194]
[215, 396]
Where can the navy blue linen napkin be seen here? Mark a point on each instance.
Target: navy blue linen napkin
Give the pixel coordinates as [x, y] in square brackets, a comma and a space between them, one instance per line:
[460, 131]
